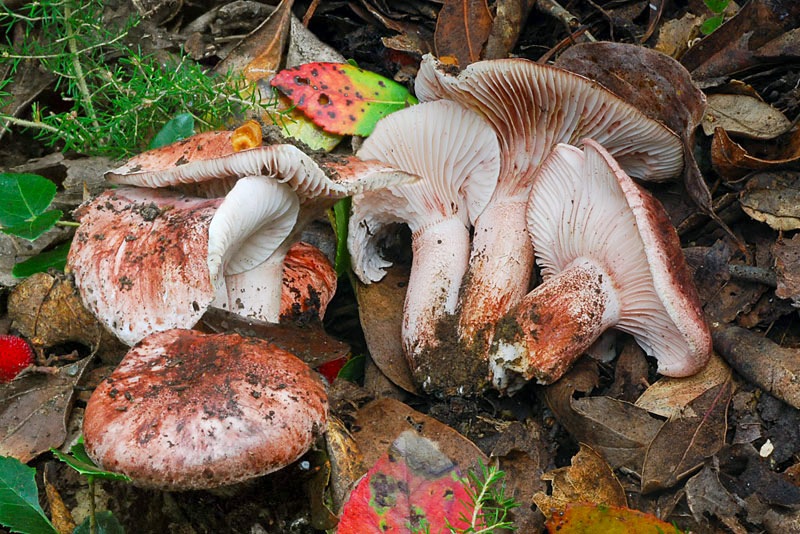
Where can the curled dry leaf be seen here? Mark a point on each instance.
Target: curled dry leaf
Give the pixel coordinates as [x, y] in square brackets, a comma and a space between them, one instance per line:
[588, 479]
[684, 442]
[347, 462]
[46, 309]
[761, 361]
[34, 409]
[743, 115]
[773, 198]
[672, 397]
[734, 160]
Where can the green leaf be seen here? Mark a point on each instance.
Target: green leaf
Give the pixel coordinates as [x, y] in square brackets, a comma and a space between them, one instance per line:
[180, 127]
[716, 6]
[23, 197]
[55, 258]
[19, 499]
[341, 98]
[711, 24]
[341, 218]
[35, 227]
[106, 524]
[353, 369]
[80, 462]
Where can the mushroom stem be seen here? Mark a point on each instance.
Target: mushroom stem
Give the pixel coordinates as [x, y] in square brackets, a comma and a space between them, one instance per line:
[499, 270]
[441, 255]
[256, 294]
[553, 325]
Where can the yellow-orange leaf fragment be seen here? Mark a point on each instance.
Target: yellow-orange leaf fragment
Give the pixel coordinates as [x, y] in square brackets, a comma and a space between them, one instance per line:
[581, 518]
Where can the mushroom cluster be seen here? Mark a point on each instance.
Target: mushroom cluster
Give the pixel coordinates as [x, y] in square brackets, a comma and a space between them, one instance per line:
[210, 221]
[453, 311]
[199, 223]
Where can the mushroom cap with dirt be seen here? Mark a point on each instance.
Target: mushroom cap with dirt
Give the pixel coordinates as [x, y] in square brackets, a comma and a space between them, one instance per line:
[609, 257]
[148, 260]
[186, 410]
[456, 155]
[533, 107]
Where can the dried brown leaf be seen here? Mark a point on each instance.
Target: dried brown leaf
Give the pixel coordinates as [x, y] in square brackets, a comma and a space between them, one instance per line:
[588, 479]
[617, 430]
[462, 30]
[684, 442]
[347, 462]
[743, 115]
[673, 397]
[773, 198]
[735, 46]
[34, 409]
[381, 306]
[705, 494]
[46, 309]
[787, 268]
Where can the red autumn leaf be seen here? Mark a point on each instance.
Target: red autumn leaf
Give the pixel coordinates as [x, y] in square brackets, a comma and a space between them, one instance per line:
[341, 98]
[602, 519]
[411, 488]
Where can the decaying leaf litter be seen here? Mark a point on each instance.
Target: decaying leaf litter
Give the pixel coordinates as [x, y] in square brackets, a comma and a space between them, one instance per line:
[716, 452]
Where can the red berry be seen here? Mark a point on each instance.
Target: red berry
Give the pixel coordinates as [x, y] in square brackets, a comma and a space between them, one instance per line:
[15, 355]
[330, 370]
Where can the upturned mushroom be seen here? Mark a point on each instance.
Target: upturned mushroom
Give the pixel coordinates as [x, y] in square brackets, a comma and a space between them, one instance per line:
[456, 155]
[246, 277]
[533, 107]
[609, 257]
[186, 410]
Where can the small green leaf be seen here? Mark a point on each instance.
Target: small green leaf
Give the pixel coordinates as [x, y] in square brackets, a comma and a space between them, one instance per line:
[341, 98]
[19, 499]
[24, 197]
[716, 6]
[36, 226]
[711, 24]
[353, 369]
[180, 127]
[80, 462]
[55, 258]
[341, 218]
[106, 524]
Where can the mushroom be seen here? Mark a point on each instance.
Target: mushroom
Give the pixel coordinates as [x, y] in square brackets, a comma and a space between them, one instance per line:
[609, 257]
[208, 165]
[186, 410]
[309, 283]
[456, 155]
[147, 260]
[533, 107]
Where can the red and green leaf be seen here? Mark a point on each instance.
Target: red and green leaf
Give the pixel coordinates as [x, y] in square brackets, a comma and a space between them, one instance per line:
[341, 98]
[602, 519]
[412, 488]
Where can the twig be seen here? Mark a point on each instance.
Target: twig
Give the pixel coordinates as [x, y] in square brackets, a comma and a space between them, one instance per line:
[556, 10]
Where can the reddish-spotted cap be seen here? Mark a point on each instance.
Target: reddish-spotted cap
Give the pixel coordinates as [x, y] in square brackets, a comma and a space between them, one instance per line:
[309, 283]
[186, 410]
